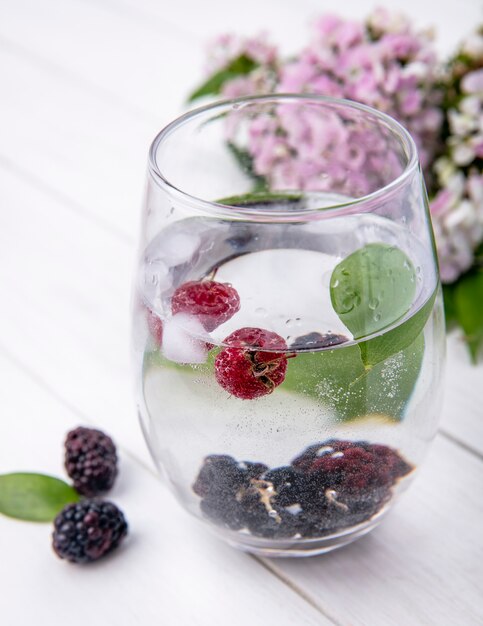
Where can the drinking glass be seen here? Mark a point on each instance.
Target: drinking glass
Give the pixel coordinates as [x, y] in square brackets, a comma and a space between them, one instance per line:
[288, 330]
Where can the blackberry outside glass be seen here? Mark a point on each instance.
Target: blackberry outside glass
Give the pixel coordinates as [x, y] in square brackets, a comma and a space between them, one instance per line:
[288, 323]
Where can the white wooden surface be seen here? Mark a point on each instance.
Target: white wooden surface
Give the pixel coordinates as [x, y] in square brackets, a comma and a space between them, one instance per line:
[84, 87]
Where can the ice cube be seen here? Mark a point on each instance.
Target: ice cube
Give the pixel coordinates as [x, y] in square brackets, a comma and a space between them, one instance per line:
[180, 248]
[183, 339]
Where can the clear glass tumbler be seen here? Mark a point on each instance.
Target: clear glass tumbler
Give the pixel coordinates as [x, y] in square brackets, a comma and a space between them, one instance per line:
[288, 323]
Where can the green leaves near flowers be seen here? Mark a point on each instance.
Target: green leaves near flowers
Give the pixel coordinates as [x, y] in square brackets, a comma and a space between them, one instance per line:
[238, 67]
[463, 305]
[245, 161]
[467, 300]
[34, 497]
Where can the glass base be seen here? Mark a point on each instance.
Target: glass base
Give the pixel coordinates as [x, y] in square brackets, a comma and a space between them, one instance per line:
[298, 547]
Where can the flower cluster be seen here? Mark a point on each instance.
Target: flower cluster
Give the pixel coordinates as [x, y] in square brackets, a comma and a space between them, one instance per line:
[386, 63]
[262, 63]
[457, 207]
[383, 63]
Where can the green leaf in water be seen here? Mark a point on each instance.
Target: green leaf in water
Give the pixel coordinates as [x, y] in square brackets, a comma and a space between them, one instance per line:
[380, 348]
[339, 379]
[240, 66]
[372, 288]
[34, 497]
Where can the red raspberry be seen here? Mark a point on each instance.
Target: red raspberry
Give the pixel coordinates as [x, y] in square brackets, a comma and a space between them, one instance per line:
[248, 373]
[211, 302]
[155, 326]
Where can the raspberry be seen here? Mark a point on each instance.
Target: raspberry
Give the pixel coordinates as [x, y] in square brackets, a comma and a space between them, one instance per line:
[211, 302]
[155, 326]
[88, 530]
[247, 373]
[352, 467]
[90, 460]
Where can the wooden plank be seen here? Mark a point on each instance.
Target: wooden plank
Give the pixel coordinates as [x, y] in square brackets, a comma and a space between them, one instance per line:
[169, 570]
[424, 565]
[89, 153]
[67, 314]
[290, 24]
[462, 415]
[147, 65]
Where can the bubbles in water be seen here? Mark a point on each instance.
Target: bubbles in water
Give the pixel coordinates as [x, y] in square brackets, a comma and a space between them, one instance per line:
[377, 317]
[156, 276]
[374, 303]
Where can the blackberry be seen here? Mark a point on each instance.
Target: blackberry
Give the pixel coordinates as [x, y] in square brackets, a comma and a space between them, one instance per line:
[224, 511]
[88, 530]
[261, 515]
[219, 477]
[317, 340]
[290, 485]
[90, 460]
[331, 485]
[253, 470]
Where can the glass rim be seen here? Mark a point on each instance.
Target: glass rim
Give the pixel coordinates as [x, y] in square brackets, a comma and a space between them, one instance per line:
[363, 204]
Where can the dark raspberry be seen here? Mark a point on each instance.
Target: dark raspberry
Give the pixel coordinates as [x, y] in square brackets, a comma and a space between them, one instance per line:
[219, 477]
[249, 373]
[211, 302]
[397, 466]
[88, 530]
[312, 341]
[352, 467]
[90, 460]
[155, 326]
[305, 460]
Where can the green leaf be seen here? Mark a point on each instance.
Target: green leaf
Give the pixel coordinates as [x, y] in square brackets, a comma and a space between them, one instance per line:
[34, 497]
[240, 66]
[245, 161]
[380, 348]
[468, 305]
[264, 198]
[372, 288]
[449, 305]
[338, 379]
